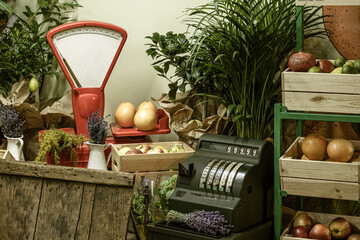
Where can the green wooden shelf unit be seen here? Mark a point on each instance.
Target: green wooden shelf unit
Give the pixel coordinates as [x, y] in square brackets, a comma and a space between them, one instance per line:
[281, 113]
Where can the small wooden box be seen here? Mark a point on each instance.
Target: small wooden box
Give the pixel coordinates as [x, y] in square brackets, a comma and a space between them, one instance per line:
[322, 218]
[149, 162]
[327, 179]
[321, 92]
[6, 155]
[54, 202]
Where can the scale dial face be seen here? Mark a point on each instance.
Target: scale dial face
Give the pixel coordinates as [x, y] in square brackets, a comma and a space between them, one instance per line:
[87, 51]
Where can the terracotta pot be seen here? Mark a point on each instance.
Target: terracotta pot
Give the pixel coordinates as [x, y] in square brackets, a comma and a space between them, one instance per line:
[343, 28]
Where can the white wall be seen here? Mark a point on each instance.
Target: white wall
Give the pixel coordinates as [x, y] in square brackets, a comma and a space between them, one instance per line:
[133, 79]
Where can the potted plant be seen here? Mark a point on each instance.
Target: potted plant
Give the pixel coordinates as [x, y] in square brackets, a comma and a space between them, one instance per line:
[58, 147]
[12, 128]
[234, 57]
[97, 128]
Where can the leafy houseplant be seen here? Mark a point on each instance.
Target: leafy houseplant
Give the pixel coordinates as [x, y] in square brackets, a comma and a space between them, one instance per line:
[58, 143]
[24, 50]
[167, 187]
[235, 57]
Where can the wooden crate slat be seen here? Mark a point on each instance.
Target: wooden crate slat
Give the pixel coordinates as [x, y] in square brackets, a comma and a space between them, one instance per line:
[320, 188]
[321, 102]
[324, 82]
[19, 201]
[117, 220]
[86, 206]
[56, 172]
[326, 2]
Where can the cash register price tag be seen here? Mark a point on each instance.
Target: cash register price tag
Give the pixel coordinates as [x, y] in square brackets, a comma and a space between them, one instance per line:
[211, 176]
[231, 178]
[205, 173]
[225, 176]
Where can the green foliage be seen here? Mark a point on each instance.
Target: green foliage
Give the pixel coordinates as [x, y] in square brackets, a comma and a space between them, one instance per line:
[235, 56]
[55, 141]
[24, 50]
[167, 187]
[5, 7]
[138, 208]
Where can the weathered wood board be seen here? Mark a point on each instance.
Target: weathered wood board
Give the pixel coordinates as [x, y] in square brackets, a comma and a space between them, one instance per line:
[54, 202]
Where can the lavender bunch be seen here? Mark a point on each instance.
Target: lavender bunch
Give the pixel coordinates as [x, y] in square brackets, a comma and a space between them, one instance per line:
[97, 127]
[12, 123]
[210, 222]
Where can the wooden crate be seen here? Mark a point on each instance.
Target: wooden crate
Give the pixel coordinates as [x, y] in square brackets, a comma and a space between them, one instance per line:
[149, 162]
[322, 218]
[326, 2]
[326, 179]
[6, 155]
[54, 202]
[321, 92]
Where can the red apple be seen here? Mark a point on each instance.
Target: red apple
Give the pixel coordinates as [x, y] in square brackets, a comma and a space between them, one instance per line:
[303, 219]
[134, 151]
[354, 237]
[320, 231]
[340, 228]
[300, 232]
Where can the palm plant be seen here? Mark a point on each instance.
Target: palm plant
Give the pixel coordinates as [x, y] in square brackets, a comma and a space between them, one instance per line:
[236, 55]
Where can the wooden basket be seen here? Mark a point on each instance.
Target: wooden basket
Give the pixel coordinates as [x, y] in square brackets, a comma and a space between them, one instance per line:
[321, 92]
[149, 162]
[326, 179]
[322, 218]
[55, 202]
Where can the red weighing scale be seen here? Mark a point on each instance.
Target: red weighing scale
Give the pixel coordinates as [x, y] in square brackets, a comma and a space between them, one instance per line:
[87, 52]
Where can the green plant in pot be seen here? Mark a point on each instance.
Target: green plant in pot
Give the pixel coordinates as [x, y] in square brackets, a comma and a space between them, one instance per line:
[58, 147]
[235, 57]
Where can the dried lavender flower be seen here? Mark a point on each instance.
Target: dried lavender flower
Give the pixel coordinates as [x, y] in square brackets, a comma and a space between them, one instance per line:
[12, 123]
[210, 222]
[97, 127]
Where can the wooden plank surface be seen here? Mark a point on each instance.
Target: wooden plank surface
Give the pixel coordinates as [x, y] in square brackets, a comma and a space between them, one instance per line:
[86, 206]
[66, 173]
[322, 83]
[115, 213]
[321, 102]
[19, 201]
[320, 188]
[59, 210]
[326, 2]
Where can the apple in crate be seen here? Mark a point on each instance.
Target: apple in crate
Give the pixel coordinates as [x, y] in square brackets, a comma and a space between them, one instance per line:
[320, 231]
[300, 232]
[354, 237]
[303, 219]
[340, 228]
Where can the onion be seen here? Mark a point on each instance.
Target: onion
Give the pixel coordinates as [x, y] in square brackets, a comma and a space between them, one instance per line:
[148, 105]
[301, 61]
[314, 147]
[326, 66]
[340, 150]
[124, 114]
[145, 119]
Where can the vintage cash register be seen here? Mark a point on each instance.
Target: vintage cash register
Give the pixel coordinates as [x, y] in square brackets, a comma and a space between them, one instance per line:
[229, 174]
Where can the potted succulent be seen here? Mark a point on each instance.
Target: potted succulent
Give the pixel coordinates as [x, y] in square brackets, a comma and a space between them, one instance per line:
[58, 147]
[97, 128]
[12, 128]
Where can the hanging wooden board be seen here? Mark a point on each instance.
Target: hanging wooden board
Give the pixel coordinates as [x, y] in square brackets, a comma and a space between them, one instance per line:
[326, 2]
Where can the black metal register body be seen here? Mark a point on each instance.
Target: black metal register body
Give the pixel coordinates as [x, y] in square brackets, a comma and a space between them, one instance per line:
[228, 174]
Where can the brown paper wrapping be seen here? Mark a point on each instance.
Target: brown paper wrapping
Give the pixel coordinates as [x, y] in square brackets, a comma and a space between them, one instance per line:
[187, 107]
[54, 112]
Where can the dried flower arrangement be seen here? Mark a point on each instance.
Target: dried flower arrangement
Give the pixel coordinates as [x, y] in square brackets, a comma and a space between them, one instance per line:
[56, 141]
[97, 127]
[209, 222]
[12, 123]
